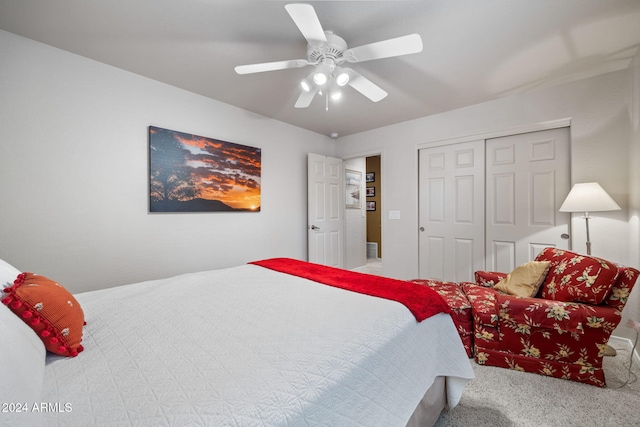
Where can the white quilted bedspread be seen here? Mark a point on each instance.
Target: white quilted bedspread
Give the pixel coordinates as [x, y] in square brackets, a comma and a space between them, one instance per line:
[247, 346]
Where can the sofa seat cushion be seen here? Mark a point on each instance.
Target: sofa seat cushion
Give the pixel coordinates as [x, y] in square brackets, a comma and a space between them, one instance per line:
[535, 313]
[577, 278]
[460, 307]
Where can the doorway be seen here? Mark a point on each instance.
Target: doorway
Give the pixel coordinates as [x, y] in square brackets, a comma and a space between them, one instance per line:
[373, 199]
[363, 225]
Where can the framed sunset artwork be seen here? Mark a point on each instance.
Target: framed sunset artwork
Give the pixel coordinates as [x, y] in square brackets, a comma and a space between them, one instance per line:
[191, 173]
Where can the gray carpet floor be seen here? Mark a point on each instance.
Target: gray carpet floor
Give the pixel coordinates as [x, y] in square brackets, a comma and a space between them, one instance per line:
[501, 397]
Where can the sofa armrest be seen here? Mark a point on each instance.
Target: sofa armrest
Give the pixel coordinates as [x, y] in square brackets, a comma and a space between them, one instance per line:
[484, 304]
[488, 278]
[561, 316]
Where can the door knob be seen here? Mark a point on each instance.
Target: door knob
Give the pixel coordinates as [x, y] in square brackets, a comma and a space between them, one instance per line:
[564, 236]
[421, 228]
[313, 227]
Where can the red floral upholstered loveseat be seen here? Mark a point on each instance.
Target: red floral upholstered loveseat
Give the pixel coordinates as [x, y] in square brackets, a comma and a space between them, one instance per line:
[562, 331]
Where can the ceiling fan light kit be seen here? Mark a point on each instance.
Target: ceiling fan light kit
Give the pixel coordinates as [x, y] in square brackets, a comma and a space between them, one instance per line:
[306, 85]
[319, 78]
[322, 73]
[327, 52]
[342, 77]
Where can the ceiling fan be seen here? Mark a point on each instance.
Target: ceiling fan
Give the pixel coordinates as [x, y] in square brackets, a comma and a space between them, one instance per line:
[327, 53]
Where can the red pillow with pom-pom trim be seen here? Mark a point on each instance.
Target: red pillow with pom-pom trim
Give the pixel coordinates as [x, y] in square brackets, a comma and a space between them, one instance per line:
[50, 310]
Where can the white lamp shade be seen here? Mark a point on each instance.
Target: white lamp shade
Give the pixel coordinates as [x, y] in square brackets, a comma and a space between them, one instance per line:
[588, 197]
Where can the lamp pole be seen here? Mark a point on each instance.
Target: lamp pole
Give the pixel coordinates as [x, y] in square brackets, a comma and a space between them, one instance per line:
[586, 219]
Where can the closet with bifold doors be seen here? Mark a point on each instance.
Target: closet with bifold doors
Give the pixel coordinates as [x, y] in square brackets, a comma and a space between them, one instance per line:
[491, 203]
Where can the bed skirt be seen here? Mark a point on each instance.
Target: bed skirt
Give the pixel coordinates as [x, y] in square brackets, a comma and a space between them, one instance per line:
[428, 410]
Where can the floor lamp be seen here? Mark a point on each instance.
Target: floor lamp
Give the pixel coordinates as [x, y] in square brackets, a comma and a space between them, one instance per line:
[588, 197]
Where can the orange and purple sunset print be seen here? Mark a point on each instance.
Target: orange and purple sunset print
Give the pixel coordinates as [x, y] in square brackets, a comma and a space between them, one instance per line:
[190, 173]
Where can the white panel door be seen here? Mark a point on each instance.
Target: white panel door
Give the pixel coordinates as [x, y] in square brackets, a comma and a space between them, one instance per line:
[451, 204]
[527, 178]
[325, 210]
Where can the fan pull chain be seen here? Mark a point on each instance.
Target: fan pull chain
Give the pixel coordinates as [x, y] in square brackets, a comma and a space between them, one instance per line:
[326, 102]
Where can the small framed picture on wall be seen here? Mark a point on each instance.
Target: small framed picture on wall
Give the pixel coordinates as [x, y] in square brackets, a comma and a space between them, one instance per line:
[370, 177]
[371, 191]
[371, 206]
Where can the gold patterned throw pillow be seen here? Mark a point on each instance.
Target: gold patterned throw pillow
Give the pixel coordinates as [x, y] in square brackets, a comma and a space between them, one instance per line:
[525, 280]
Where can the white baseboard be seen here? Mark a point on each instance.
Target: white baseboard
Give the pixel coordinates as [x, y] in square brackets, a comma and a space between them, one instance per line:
[626, 343]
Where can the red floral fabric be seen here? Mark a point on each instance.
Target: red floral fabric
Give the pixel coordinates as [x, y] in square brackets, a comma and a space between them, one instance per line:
[460, 307]
[562, 339]
[621, 289]
[575, 277]
[488, 278]
[484, 313]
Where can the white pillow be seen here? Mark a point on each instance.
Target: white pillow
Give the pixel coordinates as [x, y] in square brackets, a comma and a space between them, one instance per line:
[8, 274]
[22, 362]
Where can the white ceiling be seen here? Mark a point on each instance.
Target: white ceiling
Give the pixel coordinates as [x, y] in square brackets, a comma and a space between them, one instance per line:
[474, 50]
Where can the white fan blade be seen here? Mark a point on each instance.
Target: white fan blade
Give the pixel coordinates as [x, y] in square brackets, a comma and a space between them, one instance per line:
[304, 16]
[365, 86]
[393, 47]
[271, 66]
[305, 98]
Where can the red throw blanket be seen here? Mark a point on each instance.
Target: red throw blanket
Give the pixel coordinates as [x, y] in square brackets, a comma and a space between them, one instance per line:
[421, 300]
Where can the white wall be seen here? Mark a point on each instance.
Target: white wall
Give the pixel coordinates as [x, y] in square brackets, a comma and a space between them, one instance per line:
[632, 309]
[74, 174]
[73, 170]
[355, 247]
[597, 109]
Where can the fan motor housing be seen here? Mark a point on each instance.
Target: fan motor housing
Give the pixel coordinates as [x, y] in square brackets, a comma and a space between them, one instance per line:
[332, 49]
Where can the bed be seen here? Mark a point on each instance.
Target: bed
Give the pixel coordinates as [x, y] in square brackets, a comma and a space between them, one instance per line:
[242, 346]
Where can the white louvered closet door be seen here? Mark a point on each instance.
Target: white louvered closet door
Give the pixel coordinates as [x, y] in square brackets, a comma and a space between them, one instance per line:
[527, 179]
